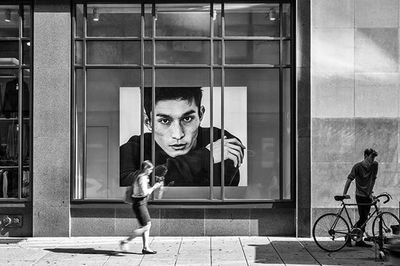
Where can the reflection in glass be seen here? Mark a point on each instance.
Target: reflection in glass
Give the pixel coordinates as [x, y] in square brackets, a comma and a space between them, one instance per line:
[252, 20]
[79, 132]
[217, 20]
[286, 21]
[9, 20]
[79, 20]
[148, 21]
[183, 52]
[183, 20]
[260, 89]
[102, 129]
[78, 52]
[113, 20]
[286, 55]
[27, 22]
[9, 54]
[286, 131]
[26, 133]
[113, 52]
[26, 53]
[252, 52]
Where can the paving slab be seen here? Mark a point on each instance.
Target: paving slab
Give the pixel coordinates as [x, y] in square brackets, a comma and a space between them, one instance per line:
[259, 251]
[292, 252]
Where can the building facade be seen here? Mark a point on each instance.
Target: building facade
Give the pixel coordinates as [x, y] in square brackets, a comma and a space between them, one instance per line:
[295, 89]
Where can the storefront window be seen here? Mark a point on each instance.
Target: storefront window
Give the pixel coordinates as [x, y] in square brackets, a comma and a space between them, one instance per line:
[15, 102]
[202, 89]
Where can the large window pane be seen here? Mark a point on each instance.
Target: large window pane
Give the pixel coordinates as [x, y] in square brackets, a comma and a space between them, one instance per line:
[252, 20]
[256, 91]
[113, 20]
[183, 20]
[252, 52]
[15, 102]
[238, 132]
[9, 19]
[113, 52]
[103, 138]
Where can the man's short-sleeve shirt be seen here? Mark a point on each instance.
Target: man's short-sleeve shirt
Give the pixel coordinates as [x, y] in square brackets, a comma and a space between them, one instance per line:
[365, 176]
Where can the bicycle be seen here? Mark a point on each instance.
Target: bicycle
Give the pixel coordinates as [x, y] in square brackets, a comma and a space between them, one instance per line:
[331, 231]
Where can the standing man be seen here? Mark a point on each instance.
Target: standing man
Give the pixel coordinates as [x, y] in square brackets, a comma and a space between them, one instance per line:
[364, 173]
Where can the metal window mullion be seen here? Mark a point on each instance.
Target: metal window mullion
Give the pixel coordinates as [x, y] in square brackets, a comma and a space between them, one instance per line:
[84, 70]
[20, 90]
[222, 102]
[142, 78]
[211, 101]
[31, 101]
[292, 104]
[74, 119]
[153, 91]
[280, 104]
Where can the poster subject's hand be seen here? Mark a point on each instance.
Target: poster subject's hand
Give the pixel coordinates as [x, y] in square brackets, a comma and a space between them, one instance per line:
[232, 150]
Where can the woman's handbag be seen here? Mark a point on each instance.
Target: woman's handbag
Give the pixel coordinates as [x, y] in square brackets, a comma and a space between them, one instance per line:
[128, 195]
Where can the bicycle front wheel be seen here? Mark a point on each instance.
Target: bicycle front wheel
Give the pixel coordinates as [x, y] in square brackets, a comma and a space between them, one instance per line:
[330, 232]
[389, 222]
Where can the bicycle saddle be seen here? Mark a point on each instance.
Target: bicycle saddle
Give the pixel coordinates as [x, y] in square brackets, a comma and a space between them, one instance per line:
[341, 197]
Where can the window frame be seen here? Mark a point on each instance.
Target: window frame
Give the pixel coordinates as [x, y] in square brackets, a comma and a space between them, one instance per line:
[21, 39]
[77, 186]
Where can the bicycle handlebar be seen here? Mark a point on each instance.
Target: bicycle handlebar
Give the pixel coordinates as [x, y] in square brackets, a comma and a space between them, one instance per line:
[386, 195]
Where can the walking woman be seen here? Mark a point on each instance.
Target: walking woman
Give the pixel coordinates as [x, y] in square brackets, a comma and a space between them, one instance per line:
[141, 190]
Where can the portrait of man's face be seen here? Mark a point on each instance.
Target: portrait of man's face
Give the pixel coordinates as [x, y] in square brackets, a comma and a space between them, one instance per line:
[176, 125]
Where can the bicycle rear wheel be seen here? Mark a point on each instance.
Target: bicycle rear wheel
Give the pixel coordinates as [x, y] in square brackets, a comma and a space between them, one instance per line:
[389, 222]
[330, 232]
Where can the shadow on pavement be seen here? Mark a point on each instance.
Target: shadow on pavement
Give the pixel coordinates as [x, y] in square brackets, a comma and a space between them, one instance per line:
[11, 240]
[90, 251]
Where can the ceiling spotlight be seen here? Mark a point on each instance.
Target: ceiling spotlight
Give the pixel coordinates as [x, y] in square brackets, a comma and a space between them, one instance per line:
[7, 15]
[96, 15]
[272, 15]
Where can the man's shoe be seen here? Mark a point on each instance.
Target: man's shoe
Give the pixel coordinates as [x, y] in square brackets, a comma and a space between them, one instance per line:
[147, 251]
[363, 244]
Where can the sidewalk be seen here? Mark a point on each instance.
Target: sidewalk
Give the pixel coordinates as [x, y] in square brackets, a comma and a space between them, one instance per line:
[179, 251]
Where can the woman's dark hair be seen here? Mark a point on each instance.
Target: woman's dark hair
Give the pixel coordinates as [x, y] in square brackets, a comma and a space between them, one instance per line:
[172, 93]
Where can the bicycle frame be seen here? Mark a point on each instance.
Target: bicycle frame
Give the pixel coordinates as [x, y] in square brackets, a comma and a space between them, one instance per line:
[370, 215]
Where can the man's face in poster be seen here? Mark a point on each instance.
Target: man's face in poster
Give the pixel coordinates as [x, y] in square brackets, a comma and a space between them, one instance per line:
[176, 125]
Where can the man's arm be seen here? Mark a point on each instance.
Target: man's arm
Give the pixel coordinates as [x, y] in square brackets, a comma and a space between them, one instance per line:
[346, 186]
[350, 178]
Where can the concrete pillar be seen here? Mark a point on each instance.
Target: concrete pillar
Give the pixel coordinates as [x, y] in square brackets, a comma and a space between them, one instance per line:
[51, 119]
[303, 88]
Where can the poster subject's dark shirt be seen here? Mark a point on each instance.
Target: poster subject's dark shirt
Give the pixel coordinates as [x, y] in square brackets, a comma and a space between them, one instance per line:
[191, 169]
